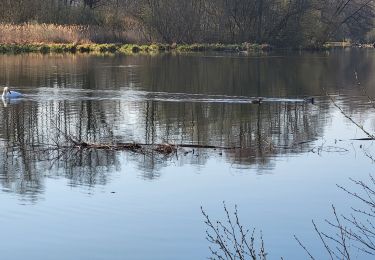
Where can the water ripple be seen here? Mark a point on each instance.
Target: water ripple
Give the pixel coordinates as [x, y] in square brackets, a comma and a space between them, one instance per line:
[72, 94]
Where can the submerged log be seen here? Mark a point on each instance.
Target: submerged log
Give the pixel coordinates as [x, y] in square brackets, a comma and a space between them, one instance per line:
[164, 148]
[207, 146]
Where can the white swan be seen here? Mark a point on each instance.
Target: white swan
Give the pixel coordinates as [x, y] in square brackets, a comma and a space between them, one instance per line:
[10, 94]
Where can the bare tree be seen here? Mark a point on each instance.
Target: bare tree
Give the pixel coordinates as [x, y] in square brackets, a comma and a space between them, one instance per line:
[278, 22]
[353, 16]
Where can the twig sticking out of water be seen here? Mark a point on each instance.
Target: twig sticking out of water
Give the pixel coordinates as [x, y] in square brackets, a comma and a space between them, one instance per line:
[368, 155]
[356, 78]
[348, 117]
[364, 91]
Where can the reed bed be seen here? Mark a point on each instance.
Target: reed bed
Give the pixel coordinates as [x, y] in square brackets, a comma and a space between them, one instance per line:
[52, 33]
[53, 38]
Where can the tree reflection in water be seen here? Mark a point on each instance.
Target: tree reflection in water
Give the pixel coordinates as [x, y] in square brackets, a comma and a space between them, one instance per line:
[35, 137]
[107, 100]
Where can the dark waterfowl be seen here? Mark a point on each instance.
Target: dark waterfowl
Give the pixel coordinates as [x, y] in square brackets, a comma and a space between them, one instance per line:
[309, 100]
[257, 101]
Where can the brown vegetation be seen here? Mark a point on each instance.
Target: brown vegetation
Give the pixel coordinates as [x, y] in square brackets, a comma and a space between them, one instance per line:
[163, 148]
[55, 33]
[281, 23]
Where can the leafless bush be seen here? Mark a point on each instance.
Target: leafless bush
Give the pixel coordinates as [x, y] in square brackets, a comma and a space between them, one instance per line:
[353, 232]
[230, 240]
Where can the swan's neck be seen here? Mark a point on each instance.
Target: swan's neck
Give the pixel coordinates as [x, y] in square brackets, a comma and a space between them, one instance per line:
[5, 92]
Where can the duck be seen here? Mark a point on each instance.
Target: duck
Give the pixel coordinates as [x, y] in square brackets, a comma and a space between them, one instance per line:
[309, 100]
[257, 101]
[10, 94]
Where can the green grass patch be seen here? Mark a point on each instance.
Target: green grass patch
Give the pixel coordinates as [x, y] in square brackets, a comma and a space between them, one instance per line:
[128, 48]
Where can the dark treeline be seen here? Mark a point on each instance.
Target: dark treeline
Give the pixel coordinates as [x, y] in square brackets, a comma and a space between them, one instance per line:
[278, 22]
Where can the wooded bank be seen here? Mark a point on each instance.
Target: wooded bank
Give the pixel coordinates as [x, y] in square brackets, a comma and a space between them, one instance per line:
[293, 23]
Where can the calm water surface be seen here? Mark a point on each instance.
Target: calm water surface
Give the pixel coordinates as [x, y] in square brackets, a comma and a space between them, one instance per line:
[103, 204]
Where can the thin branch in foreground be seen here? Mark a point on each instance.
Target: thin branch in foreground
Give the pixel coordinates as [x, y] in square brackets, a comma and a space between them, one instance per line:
[229, 240]
[304, 247]
[364, 91]
[323, 241]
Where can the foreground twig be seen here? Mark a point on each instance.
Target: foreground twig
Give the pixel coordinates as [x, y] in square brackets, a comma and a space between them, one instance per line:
[230, 240]
[304, 247]
[355, 230]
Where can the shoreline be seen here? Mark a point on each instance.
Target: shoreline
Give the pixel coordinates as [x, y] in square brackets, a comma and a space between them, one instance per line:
[113, 48]
[93, 48]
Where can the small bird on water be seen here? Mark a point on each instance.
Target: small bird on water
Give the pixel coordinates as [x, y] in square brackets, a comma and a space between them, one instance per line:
[309, 100]
[257, 101]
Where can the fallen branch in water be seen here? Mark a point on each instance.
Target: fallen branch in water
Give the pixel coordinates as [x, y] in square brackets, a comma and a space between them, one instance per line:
[348, 117]
[165, 148]
[207, 146]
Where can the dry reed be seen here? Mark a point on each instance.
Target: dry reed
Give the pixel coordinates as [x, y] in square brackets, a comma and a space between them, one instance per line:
[53, 33]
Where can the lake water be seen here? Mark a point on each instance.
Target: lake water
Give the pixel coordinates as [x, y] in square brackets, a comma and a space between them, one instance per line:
[69, 203]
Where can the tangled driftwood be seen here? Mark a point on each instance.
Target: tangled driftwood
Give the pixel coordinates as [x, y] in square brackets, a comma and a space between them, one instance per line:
[163, 148]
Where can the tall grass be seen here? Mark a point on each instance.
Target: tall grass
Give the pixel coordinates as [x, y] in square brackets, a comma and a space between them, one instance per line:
[53, 38]
[52, 33]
